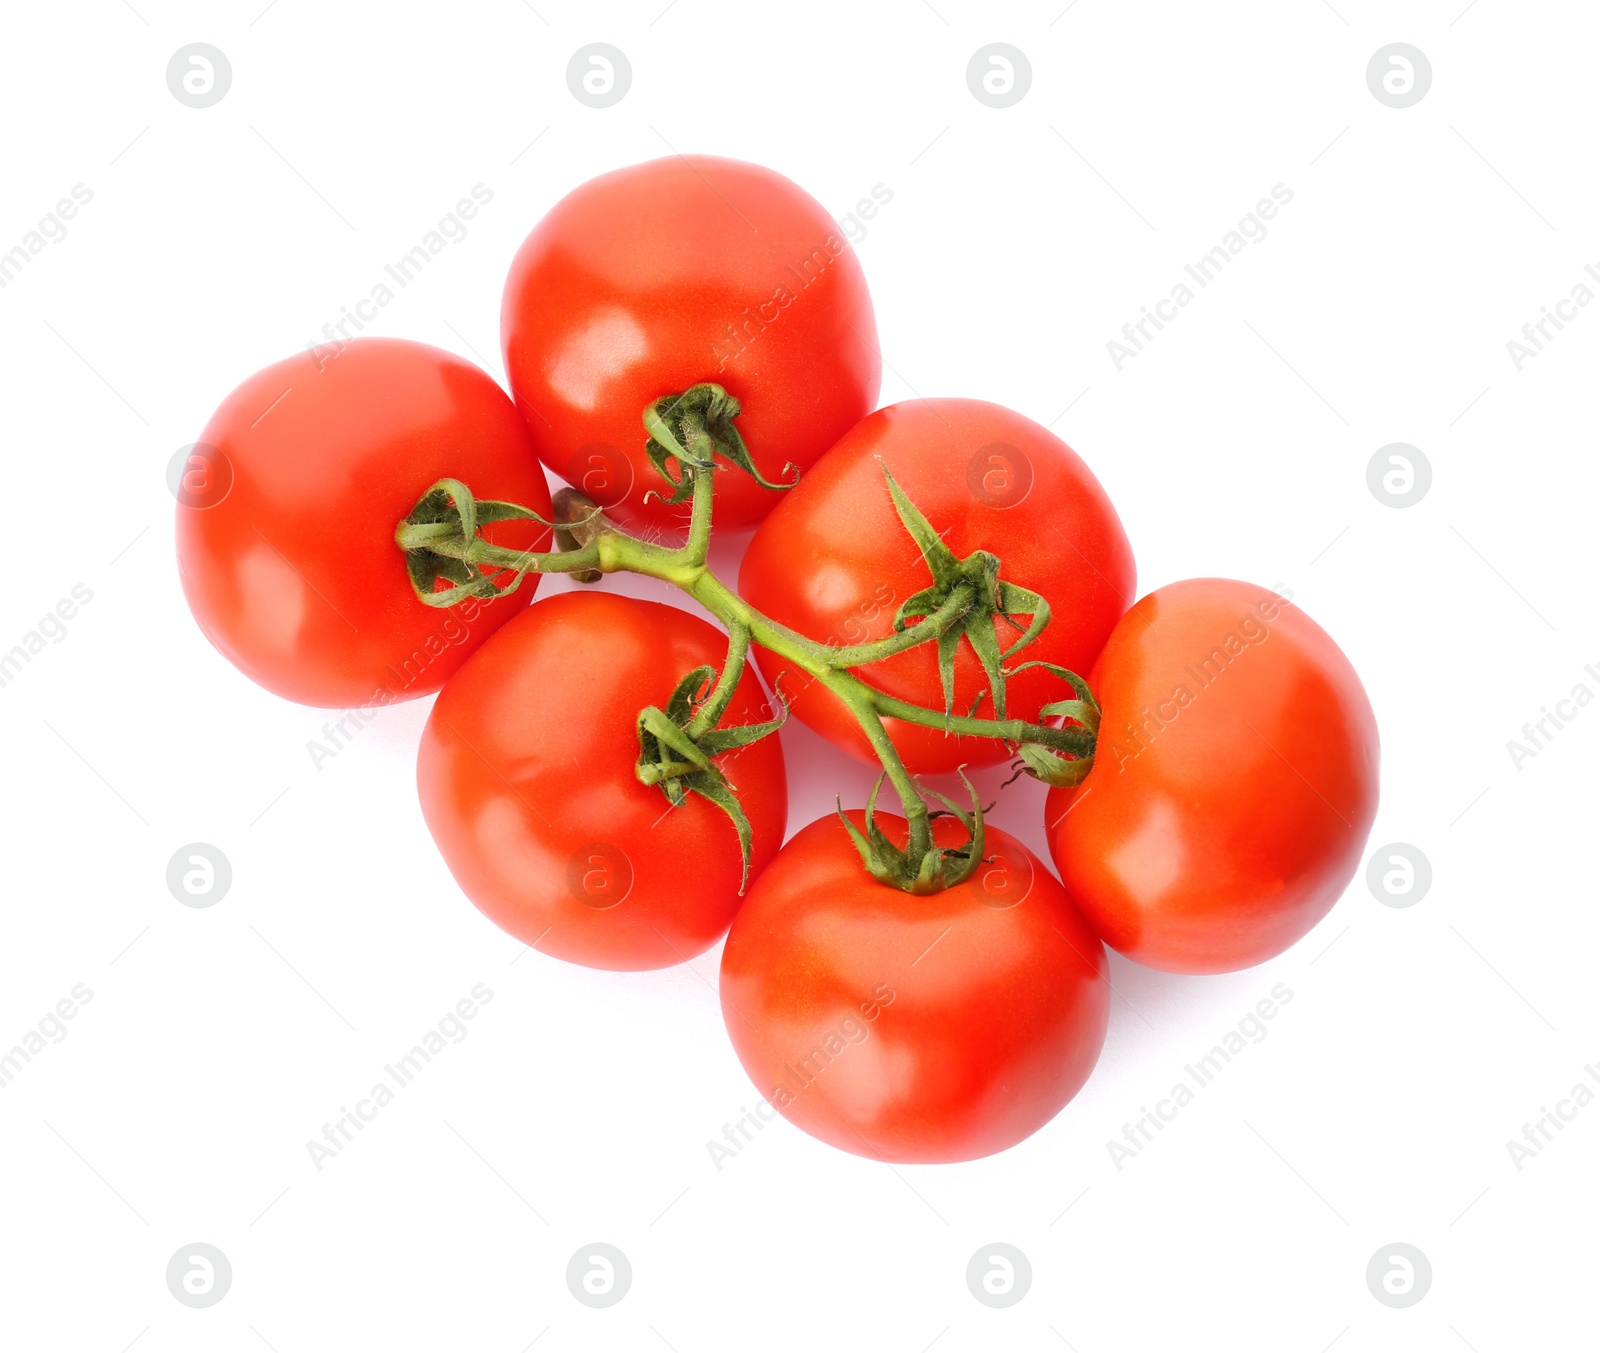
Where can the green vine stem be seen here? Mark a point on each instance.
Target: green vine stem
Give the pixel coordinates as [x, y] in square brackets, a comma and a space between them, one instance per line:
[449, 561]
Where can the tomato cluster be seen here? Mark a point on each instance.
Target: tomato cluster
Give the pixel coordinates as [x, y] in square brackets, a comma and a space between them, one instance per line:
[369, 523]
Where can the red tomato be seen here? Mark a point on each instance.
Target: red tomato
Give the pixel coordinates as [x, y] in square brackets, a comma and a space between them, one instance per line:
[526, 774]
[904, 1028]
[287, 510]
[1234, 783]
[649, 280]
[834, 562]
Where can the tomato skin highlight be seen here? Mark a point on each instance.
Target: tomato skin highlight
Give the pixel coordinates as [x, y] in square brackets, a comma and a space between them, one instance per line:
[834, 562]
[643, 282]
[1234, 785]
[294, 575]
[913, 1029]
[526, 776]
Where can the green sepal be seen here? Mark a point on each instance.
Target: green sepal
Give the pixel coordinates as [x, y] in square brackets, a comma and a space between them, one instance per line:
[689, 693]
[940, 867]
[720, 740]
[1046, 762]
[980, 571]
[450, 517]
[692, 429]
[941, 562]
[679, 760]
[949, 642]
[1043, 764]
[659, 733]
[1085, 709]
[713, 785]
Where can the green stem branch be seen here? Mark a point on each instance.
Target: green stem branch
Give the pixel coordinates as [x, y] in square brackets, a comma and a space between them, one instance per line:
[709, 714]
[931, 627]
[438, 535]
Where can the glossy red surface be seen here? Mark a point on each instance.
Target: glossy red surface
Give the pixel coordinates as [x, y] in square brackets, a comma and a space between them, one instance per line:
[294, 574]
[526, 775]
[834, 562]
[905, 1028]
[1234, 784]
[643, 282]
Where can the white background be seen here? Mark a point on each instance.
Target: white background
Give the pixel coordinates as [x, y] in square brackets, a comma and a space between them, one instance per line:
[1018, 242]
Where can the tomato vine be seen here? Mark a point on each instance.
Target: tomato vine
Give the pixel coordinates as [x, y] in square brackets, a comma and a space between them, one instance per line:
[449, 561]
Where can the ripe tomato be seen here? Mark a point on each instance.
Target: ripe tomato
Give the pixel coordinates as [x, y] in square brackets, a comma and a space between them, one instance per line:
[1234, 783]
[904, 1028]
[526, 774]
[288, 504]
[649, 280]
[834, 562]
